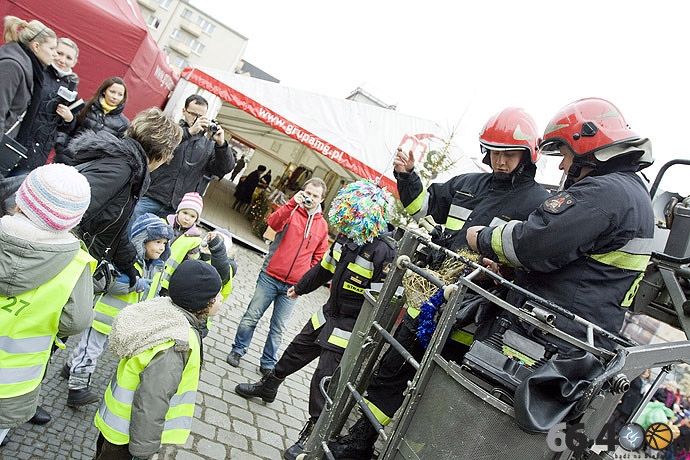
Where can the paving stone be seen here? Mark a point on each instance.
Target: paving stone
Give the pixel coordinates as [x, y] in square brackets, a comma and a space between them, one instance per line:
[266, 451]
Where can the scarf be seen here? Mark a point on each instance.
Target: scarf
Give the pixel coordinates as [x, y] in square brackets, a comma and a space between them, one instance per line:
[106, 107]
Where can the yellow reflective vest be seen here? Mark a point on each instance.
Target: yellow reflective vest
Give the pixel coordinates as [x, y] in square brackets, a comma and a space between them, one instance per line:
[114, 415]
[107, 306]
[28, 327]
[178, 250]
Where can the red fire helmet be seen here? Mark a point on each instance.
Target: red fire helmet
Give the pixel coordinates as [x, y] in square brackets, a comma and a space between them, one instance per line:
[511, 128]
[587, 125]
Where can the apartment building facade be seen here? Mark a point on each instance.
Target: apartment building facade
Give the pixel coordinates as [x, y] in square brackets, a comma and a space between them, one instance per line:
[191, 37]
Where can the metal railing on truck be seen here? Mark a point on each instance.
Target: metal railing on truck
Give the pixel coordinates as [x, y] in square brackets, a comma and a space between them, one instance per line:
[465, 410]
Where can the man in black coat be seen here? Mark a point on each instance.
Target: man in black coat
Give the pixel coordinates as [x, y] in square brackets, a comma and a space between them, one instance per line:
[118, 173]
[202, 152]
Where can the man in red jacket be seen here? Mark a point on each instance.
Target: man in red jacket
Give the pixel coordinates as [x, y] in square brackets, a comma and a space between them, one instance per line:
[300, 243]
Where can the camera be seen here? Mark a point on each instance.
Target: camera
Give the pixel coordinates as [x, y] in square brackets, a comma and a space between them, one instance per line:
[307, 201]
[213, 126]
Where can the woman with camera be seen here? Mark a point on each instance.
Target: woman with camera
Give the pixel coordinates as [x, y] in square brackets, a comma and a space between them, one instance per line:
[102, 112]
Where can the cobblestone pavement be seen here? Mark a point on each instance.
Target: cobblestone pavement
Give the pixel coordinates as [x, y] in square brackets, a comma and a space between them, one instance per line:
[225, 426]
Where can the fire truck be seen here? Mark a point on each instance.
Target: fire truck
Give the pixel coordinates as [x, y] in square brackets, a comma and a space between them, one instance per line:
[470, 409]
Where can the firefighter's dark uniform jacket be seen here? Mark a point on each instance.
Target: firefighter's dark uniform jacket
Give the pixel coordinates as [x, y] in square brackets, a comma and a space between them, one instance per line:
[470, 199]
[463, 201]
[586, 248]
[351, 269]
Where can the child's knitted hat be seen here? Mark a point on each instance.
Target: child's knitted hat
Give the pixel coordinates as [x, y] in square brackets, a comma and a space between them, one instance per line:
[54, 197]
[148, 227]
[194, 284]
[193, 201]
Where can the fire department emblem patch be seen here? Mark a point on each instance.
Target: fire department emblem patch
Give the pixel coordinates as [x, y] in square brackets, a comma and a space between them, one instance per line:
[559, 203]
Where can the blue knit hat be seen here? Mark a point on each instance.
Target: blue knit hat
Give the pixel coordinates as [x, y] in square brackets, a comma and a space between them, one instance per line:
[149, 227]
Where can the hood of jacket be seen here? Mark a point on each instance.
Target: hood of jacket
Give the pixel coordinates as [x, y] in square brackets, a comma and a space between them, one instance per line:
[70, 77]
[143, 325]
[91, 145]
[16, 52]
[31, 256]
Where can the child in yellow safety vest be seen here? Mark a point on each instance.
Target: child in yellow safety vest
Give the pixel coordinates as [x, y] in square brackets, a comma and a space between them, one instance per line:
[150, 401]
[186, 241]
[150, 236]
[189, 244]
[45, 285]
[217, 246]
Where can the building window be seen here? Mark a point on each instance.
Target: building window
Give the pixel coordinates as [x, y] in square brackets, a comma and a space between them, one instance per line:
[176, 34]
[186, 14]
[205, 25]
[153, 21]
[165, 3]
[179, 62]
[197, 47]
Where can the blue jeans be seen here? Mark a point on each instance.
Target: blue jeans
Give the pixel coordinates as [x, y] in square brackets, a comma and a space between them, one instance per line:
[145, 205]
[268, 289]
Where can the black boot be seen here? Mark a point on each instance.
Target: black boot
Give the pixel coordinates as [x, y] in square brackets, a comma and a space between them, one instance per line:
[81, 397]
[41, 417]
[65, 371]
[297, 448]
[358, 444]
[266, 388]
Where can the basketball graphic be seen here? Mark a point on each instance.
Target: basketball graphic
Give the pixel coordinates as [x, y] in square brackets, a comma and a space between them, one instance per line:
[658, 436]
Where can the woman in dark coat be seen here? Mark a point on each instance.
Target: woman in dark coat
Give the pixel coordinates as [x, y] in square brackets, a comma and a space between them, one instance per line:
[245, 189]
[58, 91]
[118, 173]
[28, 48]
[103, 112]
[266, 179]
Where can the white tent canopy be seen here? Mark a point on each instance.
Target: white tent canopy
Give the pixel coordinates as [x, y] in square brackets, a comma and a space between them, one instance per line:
[350, 139]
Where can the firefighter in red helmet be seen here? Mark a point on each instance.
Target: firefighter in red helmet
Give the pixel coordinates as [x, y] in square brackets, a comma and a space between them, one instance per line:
[509, 141]
[595, 132]
[587, 247]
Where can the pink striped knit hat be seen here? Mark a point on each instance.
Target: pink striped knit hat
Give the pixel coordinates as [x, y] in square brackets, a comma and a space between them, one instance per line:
[54, 197]
[193, 201]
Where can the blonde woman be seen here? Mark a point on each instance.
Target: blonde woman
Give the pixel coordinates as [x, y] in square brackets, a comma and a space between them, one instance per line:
[29, 47]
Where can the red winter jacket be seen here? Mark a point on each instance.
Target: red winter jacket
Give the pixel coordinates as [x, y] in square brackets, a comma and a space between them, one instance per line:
[300, 243]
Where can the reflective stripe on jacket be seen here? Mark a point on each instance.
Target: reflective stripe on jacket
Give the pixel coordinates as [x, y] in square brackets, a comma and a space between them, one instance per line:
[108, 306]
[28, 326]
[113, 417]
[352, 269]
[178, 250]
